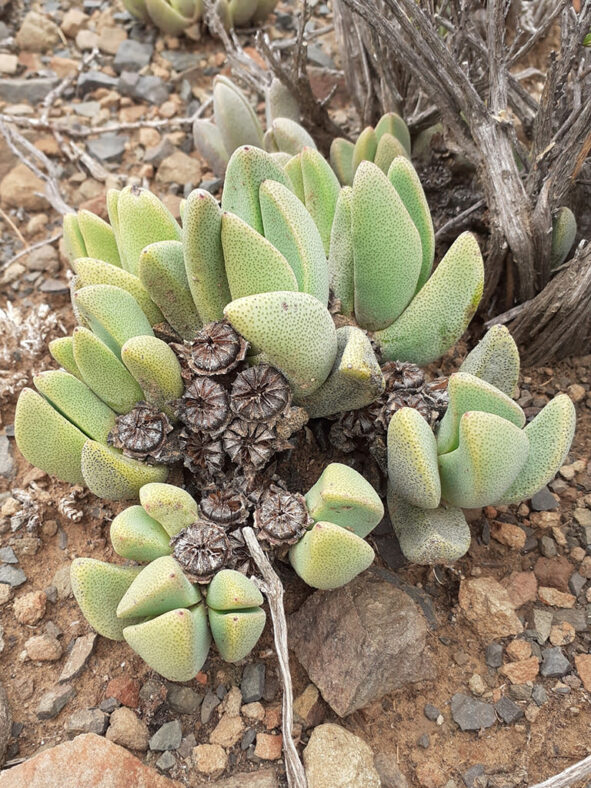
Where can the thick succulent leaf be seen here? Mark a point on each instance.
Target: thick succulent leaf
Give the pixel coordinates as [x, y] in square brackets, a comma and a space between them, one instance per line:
[102, 371]
[191, 9]
[73, 241]
[137, 536]
[293, 332]
[440, 312]
[242, 11]
[98, 587]
[282, 159]
[142, 219]
[204, 257]
[210, 146]
[96, 272]
[290, 229]
[280, 101]
[154, 365]
[264, 8]
[550, 435]
[341, 159]
[169, 505]
[387, 249]
[46, 439]
[467, 392]
[247, 169]
[236, 632]
[253, 264]
[293, 170]
[160, 586]
[321, 191]
[403, 176]
[166, 18]
[288, 136]
[113, 314]
[412, 459]
[564, 232]
[428, 536]
[343, 497]
[389, 148]
[109, 474]
[161, 269]
[234, 117]
[422, 145]
[329, 556]
[490, 454]
[495, 359]
[99, 238]
[112, 210]
[391, 123]
[76, 402]
[174, 644]
[138, 9]
[356, 378]
[365, 148]
[341, 257]
[231, 590]
[62, 350]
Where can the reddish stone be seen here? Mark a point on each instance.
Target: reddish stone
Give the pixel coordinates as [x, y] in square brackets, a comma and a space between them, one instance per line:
[555, 598]
[273, 717]
[202, 678]
[269, 746]
[522, 587]
[583, 666]
[508, 534]
[88, 760]
[521, 672]
[124, 689]
[554, 572]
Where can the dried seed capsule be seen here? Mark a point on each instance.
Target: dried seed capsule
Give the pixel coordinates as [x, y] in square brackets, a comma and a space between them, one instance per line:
[216, 350]
[225, 507]
[281, 517]
[203, 454]
[141, 432]
[202, 549]
[402, 375]
[203, 406]
[249, 444]
[259, 393]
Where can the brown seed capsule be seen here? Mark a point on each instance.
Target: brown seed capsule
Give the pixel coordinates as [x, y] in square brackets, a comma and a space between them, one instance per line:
[203, 454]
[225, 507]
[402, 375]
[259, 393]
[141, 432]
[281, 517]
[249, 443]
[216, 349]
[202, 549]
[204, 405]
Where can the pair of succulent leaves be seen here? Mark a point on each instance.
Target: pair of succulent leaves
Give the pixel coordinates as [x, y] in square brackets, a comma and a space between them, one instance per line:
[482, 453]
[173, 17]
[161, 611]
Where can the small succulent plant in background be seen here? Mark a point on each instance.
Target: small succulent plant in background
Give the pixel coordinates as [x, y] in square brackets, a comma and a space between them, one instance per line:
[195, 585]
[173, 17]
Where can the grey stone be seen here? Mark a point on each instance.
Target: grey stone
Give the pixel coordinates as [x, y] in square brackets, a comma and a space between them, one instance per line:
[424, 741]
[548, 547]
[539, 695]
[471, 714]
[167, 737]
[78, 657]
[15, 91]
[87, 721]
[187, 744]
[381, 635]
[494, 655]
[87, 109]
[132, 56]
[7, 466]
[520, 691]
[108, 147]
[12, 576]
[151, 89]
[508, 710]
[61, 580]
[181, 60]
[54, 700]
[544, 501]
[92, 80]
[554, 663]
[8, 556]
[5, 723]
[576, 617]
[152, 689]
[211, 186]
[159, 152]
[248, 738]
[108, 705]
[183, 700]
[471, 775]
[390, 774]
[576, 583]
[56, 286]
[542, 623]
[210, 702]
[431, 712]
[252, 685]
[166, 761]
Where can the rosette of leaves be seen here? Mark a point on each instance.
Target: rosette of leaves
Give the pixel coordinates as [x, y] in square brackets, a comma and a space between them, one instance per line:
[482, 452]
[389, 139]
[235, 123]
[173, 17]
[193, 587]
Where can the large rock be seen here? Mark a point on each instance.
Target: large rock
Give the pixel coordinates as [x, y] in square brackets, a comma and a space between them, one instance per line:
[360, 642]
[336, 758]
[18, 190]
[37, 33]
[265, 778]
[18, 90]
[486, 604]
[90, 761]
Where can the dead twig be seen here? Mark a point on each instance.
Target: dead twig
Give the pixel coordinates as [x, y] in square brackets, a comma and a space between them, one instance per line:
[30, 248]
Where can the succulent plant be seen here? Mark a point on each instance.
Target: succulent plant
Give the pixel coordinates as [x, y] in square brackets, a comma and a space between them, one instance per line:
[481, 453]
[381, 145]
[173, 17]
[193, 586]
[564, 232]
[235, 123]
